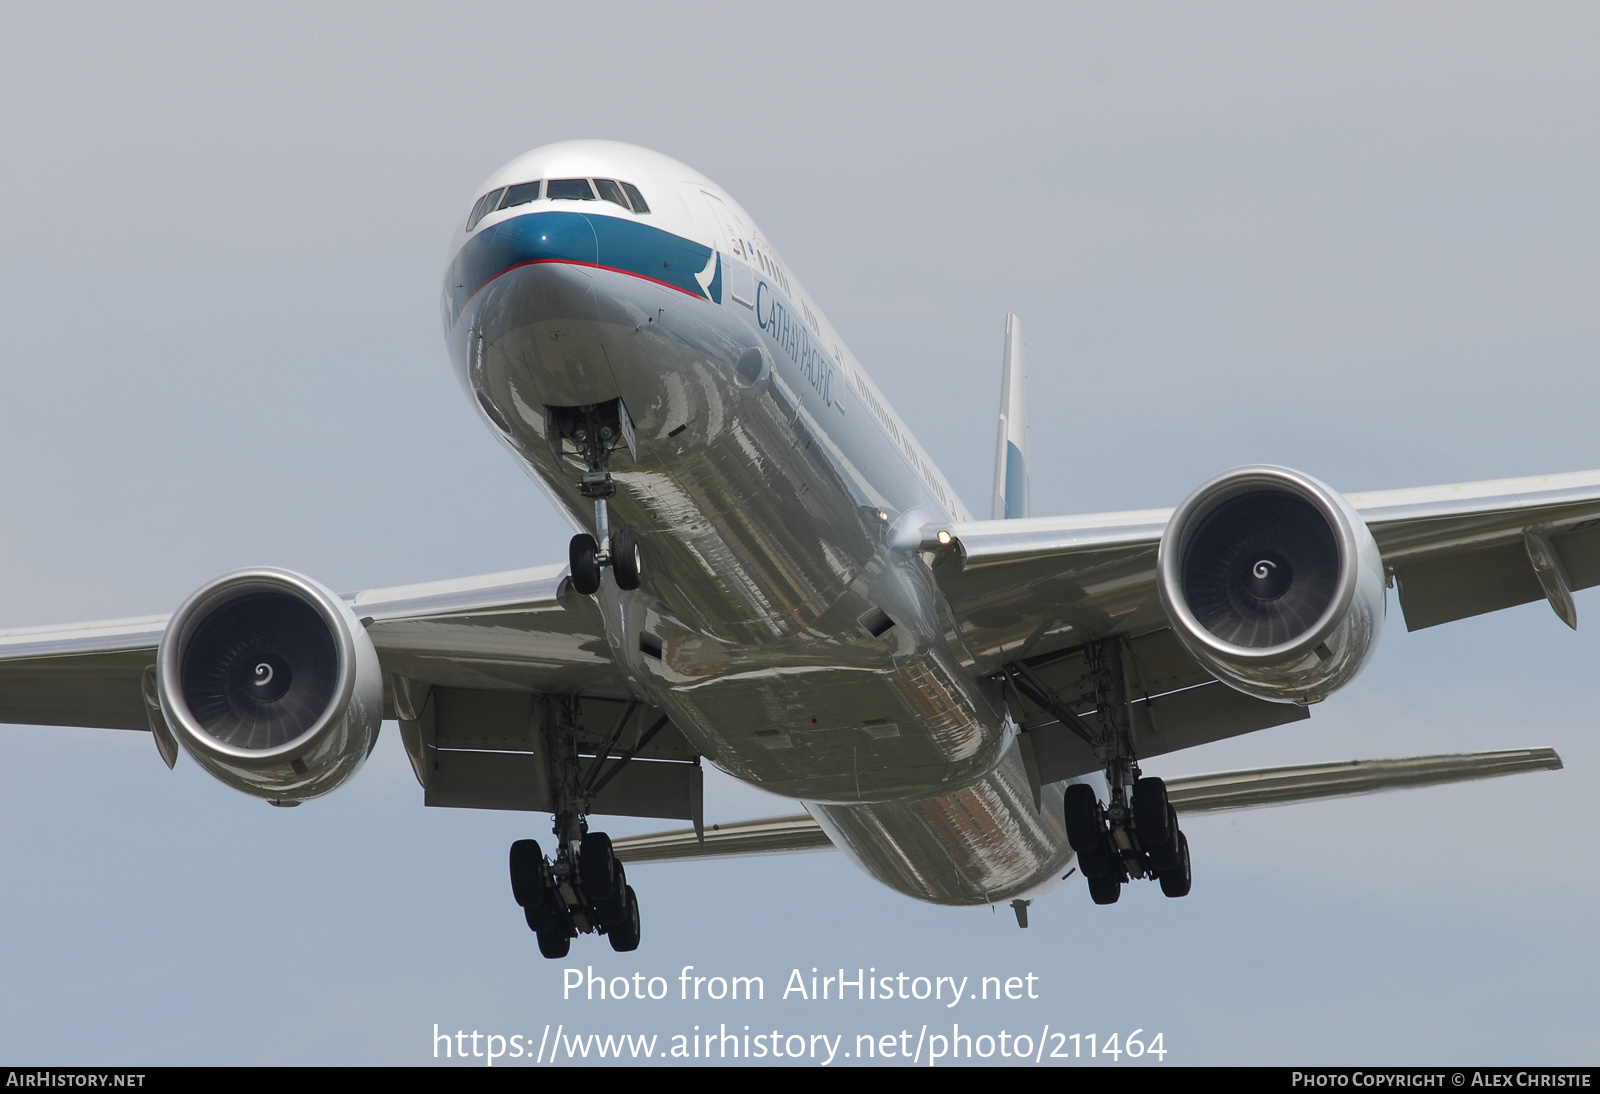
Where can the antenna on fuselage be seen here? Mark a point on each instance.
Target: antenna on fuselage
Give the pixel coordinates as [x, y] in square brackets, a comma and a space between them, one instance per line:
[1011, 450]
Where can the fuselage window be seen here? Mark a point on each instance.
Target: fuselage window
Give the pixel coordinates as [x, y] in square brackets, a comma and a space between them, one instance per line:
[485, 205]
[634, 196]
[569, 190]
[520, 194]
[610, 191]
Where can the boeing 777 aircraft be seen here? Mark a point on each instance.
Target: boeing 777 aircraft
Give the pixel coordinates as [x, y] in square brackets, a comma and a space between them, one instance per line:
[772, 576]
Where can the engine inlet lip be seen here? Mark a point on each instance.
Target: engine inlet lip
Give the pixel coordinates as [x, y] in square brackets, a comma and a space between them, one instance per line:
[218, 593]
[1184, 522]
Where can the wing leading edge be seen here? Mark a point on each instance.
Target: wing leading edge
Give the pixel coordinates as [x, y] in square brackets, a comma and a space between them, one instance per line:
[1022, 591]
[1020, 588]
[504, 631]
[468, 667]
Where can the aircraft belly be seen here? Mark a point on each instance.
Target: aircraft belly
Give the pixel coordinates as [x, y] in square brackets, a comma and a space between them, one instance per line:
[751, 525]
[980, 844]
[773, 530]
[861, 725]
[762, 519]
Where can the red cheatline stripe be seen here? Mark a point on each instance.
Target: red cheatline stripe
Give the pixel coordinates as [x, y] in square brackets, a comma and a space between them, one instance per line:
[569, 262]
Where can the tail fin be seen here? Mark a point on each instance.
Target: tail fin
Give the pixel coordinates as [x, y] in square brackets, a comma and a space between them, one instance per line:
[1011, 451]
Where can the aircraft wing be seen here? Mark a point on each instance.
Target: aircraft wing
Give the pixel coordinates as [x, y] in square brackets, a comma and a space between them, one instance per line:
[86, 674]
[1021, 588]
[509, 631]
[506, 631]
[460, 659]
[1463, 550]
[1188, 794]
[1027, 596]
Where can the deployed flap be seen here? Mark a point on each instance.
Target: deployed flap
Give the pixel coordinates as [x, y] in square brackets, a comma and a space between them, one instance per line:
[1181, 719]
[1188, 794]
[487, 750]
[1175, 705]
[1476, 547]
[86, 674]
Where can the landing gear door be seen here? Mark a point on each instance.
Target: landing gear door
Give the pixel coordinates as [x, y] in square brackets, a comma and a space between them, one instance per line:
[625, 426]
[732, 241]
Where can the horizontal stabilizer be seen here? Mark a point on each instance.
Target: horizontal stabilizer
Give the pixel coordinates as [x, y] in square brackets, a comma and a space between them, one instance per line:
[1304, 782]
[756, 837]
[1188, 794]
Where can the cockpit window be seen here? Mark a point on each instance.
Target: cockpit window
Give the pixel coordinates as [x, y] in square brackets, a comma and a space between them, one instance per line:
[625, 194]
[637, 198]
[569, 190]
[485, 206]
[520, 194]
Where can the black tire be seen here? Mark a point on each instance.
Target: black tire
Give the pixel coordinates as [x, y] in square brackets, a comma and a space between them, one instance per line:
[1152, 814]
[1166, 858]
[626, 563]
[585, 570]
[625, 935]
[527, 871]
[1084, 833]
[597, 868]
[1175, 880]
[614, 911]
[1105, 890]
[554, 944]
[1079, 806]
[547, 915]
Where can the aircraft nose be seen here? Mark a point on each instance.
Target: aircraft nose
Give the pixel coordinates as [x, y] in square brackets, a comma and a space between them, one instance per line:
[553, 237]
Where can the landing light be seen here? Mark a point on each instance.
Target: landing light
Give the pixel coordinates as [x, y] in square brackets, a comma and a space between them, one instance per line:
[944, 538]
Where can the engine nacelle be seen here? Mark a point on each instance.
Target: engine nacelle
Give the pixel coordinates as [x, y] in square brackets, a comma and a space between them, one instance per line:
[1273, 583]
[271, 684]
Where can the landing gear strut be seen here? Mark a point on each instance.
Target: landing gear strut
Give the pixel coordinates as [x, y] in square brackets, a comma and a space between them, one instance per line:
[595, 431]
[1135, 834]
[582, 888]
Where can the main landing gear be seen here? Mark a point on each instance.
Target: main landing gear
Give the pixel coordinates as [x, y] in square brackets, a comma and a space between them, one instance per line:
[1136, 834]
[583, 888]
[578, 893]
[596, 431]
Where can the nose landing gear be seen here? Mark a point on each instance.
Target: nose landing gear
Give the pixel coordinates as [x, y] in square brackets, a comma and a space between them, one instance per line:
[586, 558]
[595, 431]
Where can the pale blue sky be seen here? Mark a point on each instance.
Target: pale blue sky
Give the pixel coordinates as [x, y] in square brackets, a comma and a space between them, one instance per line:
[1361, 240]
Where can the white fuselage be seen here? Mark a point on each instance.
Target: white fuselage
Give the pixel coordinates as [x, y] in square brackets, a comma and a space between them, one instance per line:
[786, 622]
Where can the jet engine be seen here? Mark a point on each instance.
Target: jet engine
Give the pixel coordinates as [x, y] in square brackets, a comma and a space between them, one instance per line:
[271, 684]
[1273, 583]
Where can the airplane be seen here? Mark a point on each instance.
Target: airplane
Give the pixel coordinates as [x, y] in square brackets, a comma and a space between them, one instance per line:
[772, 576]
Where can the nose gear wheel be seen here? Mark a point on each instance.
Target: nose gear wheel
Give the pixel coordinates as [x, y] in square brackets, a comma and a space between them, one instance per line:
[594, 433]
[584, 565]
